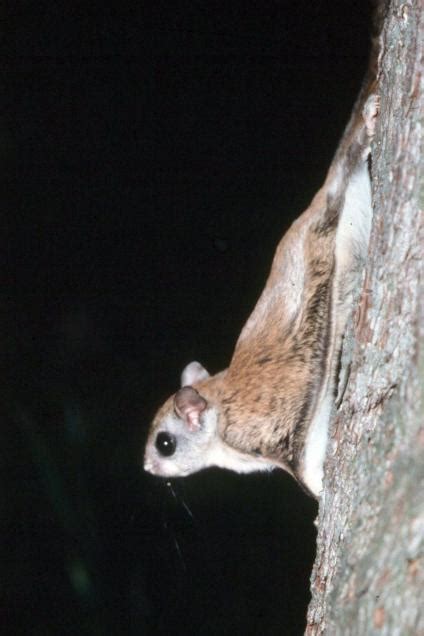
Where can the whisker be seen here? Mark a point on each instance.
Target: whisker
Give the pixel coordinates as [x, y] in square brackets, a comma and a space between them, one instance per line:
[168, 483]
[177, 546]
[187, 509]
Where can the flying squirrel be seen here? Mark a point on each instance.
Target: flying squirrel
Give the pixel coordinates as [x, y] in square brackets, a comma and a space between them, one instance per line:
[271, 407]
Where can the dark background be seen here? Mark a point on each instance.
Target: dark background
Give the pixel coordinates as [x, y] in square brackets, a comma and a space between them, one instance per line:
[151, 161]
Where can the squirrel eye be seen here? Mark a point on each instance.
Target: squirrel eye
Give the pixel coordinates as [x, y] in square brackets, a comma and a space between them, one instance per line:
[166, 444]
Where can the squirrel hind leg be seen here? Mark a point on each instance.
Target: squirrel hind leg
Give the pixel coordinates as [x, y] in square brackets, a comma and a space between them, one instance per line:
[370, 113]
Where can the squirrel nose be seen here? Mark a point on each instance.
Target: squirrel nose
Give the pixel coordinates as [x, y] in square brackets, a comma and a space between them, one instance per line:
[148, 466]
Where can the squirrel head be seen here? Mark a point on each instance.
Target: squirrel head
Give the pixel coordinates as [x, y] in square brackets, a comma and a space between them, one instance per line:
[183, 431]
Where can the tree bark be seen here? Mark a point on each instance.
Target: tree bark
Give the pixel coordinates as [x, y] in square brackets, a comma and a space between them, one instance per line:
[368, 576]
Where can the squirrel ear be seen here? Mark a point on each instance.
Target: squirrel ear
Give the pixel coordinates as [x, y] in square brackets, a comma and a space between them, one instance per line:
[189, 405]
[192, 373]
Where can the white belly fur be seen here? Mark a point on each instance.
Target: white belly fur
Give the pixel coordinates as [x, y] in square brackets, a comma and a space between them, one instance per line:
[351, 249]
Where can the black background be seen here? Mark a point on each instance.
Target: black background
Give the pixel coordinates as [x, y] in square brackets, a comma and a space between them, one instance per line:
[151, 160]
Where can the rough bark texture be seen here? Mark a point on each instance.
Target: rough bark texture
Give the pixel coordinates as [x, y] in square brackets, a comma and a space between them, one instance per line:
[368, 576]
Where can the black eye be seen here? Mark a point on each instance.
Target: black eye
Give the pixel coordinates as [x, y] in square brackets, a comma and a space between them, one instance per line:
[166, 444]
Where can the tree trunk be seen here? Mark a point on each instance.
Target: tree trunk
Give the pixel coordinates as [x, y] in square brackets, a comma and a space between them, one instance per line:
[368, 576]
